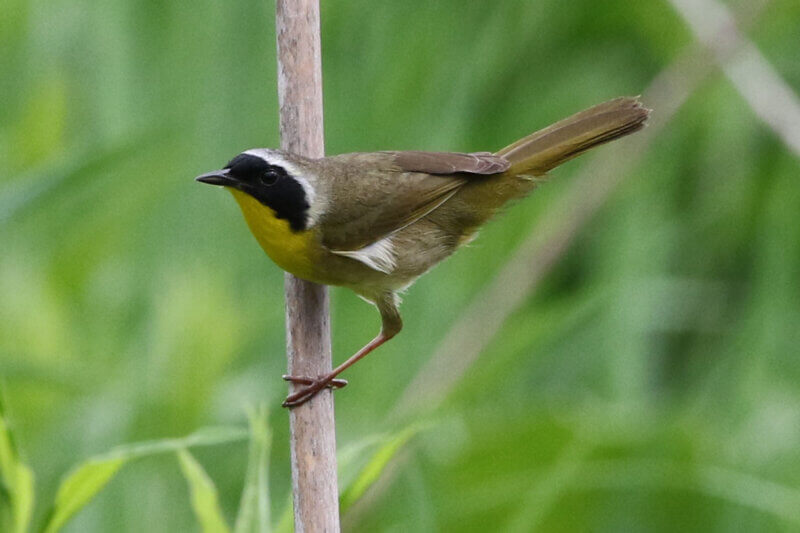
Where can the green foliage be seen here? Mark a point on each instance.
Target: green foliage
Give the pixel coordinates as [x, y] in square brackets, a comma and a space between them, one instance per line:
[254, 506]
[80, 487]
[204, 495]
[17, 483]
[651, 383]
[90, 477]
[387, 448]
[360, 465]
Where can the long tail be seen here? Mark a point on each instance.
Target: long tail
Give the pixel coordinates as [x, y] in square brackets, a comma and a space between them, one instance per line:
[546, 149]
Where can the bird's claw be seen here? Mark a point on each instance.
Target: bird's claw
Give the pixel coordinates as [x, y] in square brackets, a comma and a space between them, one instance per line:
[300, 380]
[313, 386]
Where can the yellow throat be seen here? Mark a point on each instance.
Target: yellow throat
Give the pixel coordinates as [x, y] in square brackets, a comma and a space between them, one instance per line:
[293, 251]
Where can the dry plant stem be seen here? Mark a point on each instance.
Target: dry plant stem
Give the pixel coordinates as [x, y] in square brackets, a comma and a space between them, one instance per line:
[312, 426]
[769, 96]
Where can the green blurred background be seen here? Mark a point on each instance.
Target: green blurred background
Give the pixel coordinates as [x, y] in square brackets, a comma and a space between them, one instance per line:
[650, 383]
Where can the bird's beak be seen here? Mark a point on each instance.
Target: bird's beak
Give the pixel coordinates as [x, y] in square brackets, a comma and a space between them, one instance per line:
[217, 177]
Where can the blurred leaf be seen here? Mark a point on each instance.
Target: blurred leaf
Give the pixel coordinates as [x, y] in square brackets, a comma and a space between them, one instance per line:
[353, 486]
[350, 459]
[210, 436]
[80, 487]
[286, 522]
[17, 482]
[70, 169]
[370, 473]
[716, 482]
[254, 512]
[205, 502]
[549, 486]
[41, 128]
[89, 478]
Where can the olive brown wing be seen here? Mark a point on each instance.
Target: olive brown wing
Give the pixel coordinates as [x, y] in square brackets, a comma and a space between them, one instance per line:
[373, 195]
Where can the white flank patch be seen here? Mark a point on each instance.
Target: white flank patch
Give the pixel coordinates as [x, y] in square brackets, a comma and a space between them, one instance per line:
[275, 158]
[378, 256]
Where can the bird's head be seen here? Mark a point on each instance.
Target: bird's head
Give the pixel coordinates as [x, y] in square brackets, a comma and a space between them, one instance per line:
[276, 179]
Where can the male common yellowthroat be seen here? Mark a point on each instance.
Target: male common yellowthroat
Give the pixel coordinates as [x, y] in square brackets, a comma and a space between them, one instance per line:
[375, 222]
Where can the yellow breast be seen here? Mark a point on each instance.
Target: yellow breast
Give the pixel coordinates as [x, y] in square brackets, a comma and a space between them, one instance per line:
[292, 251]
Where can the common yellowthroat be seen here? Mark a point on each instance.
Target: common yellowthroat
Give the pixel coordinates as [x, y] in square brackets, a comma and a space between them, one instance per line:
[375, 222]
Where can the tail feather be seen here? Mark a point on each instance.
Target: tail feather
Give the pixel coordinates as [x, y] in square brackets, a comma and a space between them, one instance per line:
[547, 148]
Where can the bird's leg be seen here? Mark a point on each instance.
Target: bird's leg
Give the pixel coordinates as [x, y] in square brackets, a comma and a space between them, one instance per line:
[320, 383]
[391, 325]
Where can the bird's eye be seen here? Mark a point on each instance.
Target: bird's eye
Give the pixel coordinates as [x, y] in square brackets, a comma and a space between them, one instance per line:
[269, 178]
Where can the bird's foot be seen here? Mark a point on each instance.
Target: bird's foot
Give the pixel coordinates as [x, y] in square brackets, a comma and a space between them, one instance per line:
[313, 386]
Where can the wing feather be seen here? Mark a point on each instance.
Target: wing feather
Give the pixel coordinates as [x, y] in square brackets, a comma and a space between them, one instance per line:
[376, 194]
[481, 163]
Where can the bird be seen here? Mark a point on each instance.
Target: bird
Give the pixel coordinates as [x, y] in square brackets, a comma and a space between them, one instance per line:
[375, 222]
